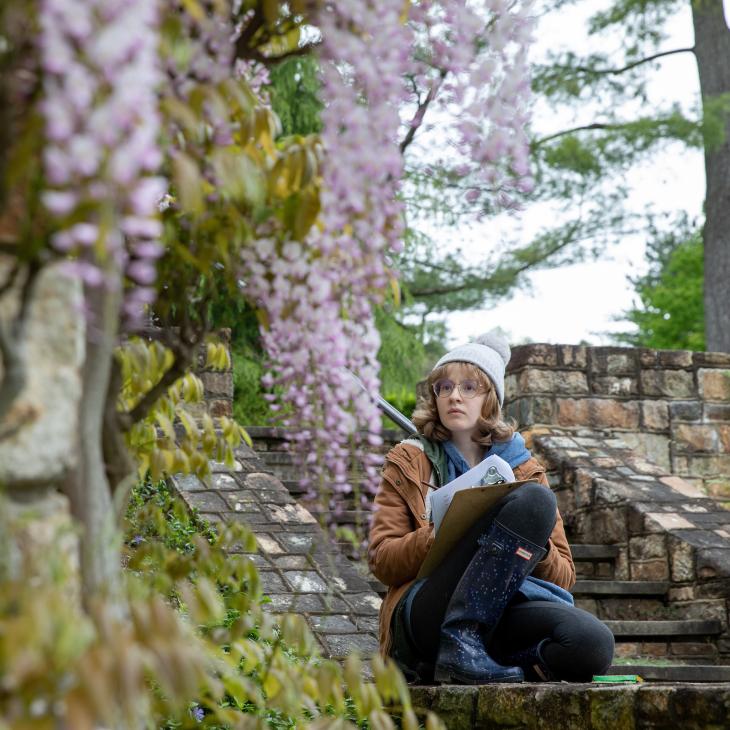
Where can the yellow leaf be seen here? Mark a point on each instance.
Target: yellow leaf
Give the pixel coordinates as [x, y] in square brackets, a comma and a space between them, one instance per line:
[306, 213]
[188, 423]
[271, 11]
[181, 113]
[395, 290]
[210, 351]
[195, 9]
[409, 721]
[245, 436]
[166, 425]
[188, 183]
[181, 463]
[272, 685]
[240, 178]
[379, 720]
[433, 722]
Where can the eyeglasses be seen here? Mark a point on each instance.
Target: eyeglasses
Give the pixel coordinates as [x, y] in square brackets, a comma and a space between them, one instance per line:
[467, 388]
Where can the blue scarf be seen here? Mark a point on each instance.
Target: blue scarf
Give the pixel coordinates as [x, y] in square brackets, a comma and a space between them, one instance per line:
[514, 452]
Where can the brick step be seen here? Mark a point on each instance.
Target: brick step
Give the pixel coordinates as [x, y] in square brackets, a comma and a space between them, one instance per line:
[594, 552]
[591, 587]
[293, 485]
[380, 588]
[346, 517]
[672, 630]
[585, 587]
[675, 672]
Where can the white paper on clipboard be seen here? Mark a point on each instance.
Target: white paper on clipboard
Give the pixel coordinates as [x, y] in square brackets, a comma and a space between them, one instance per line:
[441, 498]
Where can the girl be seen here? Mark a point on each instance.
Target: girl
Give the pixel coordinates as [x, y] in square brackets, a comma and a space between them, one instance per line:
[497, 609]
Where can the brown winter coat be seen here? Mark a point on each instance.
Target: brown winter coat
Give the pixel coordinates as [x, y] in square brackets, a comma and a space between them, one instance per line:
[400, 534]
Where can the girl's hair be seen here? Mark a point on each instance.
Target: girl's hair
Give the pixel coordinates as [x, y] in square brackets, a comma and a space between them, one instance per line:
[490, 423]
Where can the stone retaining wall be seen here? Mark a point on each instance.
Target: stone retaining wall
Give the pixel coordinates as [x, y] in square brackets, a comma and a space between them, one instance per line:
[578, 706]
[672, 406]
[218, 384]
[666, 530]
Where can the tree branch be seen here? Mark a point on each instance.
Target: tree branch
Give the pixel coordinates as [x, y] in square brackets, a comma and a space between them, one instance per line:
[247, 34]
[421, 112]
[567, 239]
[254, 55]
[12, 350]
[12, 276]
[616, 71]
[183, 359]
[184, 349]
[564, 132]
[119, 465]
[13, 375]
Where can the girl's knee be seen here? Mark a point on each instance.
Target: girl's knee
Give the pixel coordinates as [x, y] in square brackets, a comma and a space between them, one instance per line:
[583, 648]
[537, 495]
[534, 502]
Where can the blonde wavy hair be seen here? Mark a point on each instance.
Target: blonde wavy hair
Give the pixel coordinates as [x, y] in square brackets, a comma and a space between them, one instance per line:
[492, 427]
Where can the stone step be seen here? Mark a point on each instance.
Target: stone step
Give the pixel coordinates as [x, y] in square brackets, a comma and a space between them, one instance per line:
[591, 587]
[675, 672]
[652, 630]
[594, 552]
[585, 587]
[576, 706]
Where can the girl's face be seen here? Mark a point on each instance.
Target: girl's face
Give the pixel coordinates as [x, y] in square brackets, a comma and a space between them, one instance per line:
[457, 413]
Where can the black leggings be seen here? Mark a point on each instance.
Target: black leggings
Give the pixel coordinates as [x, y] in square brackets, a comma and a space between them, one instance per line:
[579, 644]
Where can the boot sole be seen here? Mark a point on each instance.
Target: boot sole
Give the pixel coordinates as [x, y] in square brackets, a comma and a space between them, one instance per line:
[453, 678]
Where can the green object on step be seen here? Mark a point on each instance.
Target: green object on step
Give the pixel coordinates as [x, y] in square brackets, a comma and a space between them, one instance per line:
[617, 678]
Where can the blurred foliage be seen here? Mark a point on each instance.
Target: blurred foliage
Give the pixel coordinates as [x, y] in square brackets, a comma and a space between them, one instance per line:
[670, 314]
[154, 442]
[406, 349]
[196, 650]
[294, 96]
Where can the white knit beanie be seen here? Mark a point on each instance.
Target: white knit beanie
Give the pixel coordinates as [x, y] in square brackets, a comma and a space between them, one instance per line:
[489, 352]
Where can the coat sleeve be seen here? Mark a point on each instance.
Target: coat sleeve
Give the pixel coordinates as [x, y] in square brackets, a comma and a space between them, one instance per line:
[557, 566]
[397, 546]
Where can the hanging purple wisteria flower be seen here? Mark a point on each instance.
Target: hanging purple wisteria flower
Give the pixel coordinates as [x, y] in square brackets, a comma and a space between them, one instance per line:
[101, 75]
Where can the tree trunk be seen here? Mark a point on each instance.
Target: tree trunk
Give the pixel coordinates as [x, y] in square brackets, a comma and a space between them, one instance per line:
[89, 488]
[712, 50]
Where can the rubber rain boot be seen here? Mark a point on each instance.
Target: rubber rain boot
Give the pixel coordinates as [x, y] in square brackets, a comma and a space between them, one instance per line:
[531, 661]
[502, 561]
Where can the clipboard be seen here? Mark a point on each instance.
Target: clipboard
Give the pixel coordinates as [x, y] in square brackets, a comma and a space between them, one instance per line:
[467, 506]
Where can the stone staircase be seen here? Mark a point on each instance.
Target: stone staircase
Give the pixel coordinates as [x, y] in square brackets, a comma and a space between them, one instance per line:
[643, 623]
[624, 607]
[656, 637]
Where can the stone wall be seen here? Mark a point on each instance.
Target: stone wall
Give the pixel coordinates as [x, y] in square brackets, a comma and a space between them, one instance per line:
[670, 539]
[673, 407]
[218, 384]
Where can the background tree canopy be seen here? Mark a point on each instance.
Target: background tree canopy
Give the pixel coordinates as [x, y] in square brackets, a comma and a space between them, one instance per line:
[670, 313]
[581, 170]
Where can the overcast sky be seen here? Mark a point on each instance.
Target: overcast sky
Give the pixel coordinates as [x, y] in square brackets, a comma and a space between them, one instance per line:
[579, 303]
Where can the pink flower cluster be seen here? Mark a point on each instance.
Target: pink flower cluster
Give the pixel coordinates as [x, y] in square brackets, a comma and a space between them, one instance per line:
[319, 295]
[101, 75]
[477, 55]
[206, 46]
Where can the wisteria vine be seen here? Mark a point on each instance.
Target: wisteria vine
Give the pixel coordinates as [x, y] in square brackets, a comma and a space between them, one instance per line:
[476, 59]
[319, 300]
[101, 78]
[320, 297]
